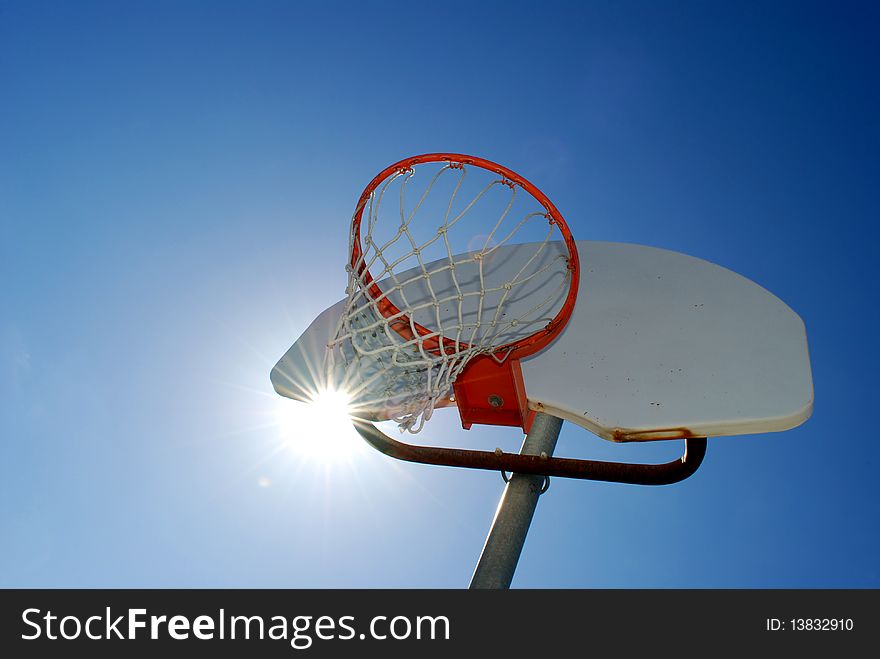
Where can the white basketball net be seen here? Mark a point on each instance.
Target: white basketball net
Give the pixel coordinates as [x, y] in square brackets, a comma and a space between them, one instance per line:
[467, 314]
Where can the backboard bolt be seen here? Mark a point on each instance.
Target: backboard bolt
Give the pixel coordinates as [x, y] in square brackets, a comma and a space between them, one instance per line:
[495, 400]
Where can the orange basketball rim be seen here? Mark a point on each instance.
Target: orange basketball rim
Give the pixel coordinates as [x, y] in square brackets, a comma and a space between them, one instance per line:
[490, 389]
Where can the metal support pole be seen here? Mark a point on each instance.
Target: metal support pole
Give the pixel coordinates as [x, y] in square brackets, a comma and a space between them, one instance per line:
[515, 511]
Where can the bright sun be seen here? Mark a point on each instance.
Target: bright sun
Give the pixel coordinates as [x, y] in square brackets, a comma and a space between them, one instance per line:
[320, 429]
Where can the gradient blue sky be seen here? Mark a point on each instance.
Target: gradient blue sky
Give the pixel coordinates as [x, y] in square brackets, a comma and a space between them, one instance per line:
[176, 180]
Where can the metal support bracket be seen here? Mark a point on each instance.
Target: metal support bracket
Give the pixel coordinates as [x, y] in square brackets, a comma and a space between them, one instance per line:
[540, 465]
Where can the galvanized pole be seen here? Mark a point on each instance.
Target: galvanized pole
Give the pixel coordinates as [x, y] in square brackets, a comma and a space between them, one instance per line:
[515, 510]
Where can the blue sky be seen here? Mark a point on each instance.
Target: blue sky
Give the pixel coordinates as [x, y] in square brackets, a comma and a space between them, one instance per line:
[175, 185]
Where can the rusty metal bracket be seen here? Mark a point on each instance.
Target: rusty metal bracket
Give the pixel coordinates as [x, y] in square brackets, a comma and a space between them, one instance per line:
[540, 465]
[544, 486]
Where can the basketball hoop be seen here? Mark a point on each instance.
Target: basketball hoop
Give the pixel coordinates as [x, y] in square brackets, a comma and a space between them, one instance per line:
[459, 344]
[420, 329]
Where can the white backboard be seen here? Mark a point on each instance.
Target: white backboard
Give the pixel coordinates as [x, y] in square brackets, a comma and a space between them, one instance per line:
[660, 345]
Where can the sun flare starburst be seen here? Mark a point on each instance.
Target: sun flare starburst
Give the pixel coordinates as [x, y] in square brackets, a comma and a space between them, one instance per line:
[320, 429]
